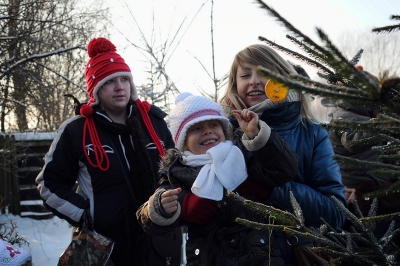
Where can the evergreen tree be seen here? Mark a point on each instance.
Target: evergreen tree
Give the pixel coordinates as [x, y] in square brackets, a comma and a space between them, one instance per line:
[358, 246]
[345, 82]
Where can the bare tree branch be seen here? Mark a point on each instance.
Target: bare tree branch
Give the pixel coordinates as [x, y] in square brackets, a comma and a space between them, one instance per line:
[15, 101]
[60, 75]
[36, 56]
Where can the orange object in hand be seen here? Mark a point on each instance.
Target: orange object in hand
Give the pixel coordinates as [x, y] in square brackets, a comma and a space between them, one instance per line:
[276, 91]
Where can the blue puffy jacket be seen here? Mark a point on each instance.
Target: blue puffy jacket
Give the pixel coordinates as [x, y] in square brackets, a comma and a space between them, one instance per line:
[319, 175]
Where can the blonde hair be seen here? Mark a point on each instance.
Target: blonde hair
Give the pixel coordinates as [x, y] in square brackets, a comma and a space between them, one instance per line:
[258, 55]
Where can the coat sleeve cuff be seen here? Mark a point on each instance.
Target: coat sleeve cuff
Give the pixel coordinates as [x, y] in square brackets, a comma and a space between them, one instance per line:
[155, 213]
[258, 141]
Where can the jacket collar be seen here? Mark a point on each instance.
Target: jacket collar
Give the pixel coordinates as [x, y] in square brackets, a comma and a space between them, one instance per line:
[132, 109]
[284, 115]
[153, 110]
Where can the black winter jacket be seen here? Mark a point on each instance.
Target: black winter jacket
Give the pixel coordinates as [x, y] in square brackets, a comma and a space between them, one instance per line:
[103, 192]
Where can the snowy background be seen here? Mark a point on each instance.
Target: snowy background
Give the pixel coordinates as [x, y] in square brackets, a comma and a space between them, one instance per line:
[47, 238]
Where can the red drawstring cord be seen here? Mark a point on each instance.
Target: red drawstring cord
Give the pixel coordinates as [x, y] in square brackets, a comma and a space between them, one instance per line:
[98, 149]
[144, 107]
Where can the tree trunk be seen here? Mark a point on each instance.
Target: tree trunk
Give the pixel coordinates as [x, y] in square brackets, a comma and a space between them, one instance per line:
[18, 92]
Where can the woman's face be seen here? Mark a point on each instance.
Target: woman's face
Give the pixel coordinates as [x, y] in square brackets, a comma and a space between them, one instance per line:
[204, 135]
[114, 95]
[250, 85]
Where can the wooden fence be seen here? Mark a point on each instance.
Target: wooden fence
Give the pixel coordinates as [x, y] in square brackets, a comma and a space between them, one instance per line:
[21, 160]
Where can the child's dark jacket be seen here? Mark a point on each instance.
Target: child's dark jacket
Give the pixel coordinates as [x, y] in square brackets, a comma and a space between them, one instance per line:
[223, 241]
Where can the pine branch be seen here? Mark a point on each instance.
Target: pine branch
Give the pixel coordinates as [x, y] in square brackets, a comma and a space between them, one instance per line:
[356, 210]
[369, 126]
[357, 57]
[387, 29]
[391, 157]
[321, 58]
[388, 138]
[344, 68]
[291, 28]
[368, 165]
[349, 216]
[389, 118]
[387, 175]
[388, 149]
[331, 78]
[327, 230]
[296, 209]
[318, 89]
[321, 240]
[367, 142]
[359, 247]
[259, 226]
[296, 55]
[386, 238]
[393, 189]
[265, 211]
[381, 218]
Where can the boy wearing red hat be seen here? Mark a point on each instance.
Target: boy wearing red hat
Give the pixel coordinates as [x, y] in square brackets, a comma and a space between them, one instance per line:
[112, 151]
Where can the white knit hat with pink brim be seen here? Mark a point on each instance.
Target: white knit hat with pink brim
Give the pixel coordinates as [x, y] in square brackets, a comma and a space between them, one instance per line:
[191, 109]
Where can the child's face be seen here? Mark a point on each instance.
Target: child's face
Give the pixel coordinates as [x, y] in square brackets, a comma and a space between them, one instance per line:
[204, 135]
[250, 85]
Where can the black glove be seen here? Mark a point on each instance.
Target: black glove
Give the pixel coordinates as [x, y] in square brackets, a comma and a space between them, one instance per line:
[86, 221]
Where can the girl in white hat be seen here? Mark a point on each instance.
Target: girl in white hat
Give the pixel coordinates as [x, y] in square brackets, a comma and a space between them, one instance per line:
[206, 163]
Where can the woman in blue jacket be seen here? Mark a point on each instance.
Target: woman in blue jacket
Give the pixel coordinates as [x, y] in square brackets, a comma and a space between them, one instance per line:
[319, 175]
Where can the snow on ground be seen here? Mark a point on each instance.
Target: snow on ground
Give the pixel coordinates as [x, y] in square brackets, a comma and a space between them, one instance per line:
[47, 238]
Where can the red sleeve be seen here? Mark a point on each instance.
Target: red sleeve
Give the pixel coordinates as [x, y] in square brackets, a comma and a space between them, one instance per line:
[198, 210]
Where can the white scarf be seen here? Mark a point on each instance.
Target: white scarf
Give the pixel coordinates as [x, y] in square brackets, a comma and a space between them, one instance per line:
[224, 166]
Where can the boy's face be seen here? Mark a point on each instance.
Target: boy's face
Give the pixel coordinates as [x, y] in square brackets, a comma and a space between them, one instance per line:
[114, 95]
[204, 135]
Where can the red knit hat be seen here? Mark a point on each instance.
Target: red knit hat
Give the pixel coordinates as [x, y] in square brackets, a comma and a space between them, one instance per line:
[105, 64]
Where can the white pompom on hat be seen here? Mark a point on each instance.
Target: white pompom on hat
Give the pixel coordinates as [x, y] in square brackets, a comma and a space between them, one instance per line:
[12, 255]
[191, 109]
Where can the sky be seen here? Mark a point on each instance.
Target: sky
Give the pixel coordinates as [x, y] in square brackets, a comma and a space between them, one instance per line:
[236, 25]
